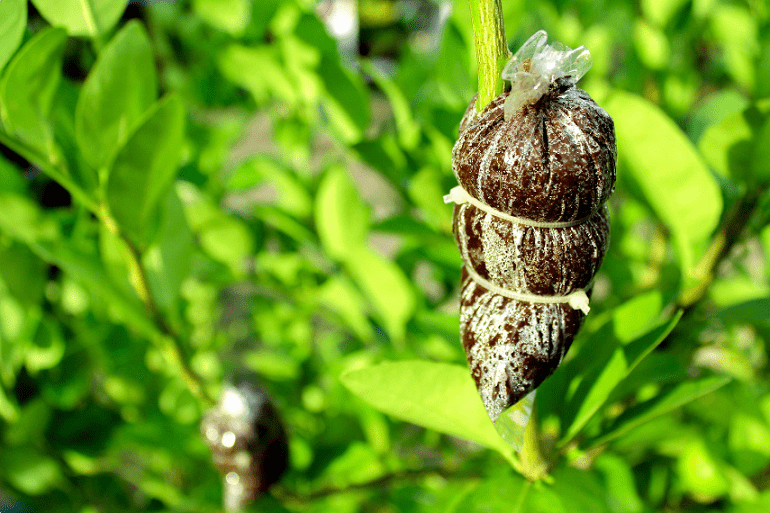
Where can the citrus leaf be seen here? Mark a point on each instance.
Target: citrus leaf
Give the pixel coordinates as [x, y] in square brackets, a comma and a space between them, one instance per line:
[438, 396]
[121, 87]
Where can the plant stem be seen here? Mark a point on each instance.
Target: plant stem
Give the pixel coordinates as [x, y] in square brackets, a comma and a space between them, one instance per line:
[533, 466]
[723, 242]
[491, 48]
[168, 341]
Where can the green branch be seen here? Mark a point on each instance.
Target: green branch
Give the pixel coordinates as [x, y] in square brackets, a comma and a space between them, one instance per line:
[491, 48]
[724, 240]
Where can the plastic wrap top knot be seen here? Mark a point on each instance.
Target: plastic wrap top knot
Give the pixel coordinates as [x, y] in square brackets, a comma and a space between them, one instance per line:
[536, 65]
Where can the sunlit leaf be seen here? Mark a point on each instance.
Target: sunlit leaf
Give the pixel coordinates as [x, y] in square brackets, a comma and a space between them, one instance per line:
[670, 173]
[28, 87]
[81, 17]
[13, 20]
[145, 167]
[342, 218]
[121, 87]
[386, 287]
[603, 375]
[230, 16]
[437, 396]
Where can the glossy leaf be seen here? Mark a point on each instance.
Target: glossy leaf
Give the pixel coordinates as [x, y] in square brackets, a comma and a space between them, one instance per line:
[145, 167]
[13, 20]
[82, 17]
[670, 173]
[27, 90]
[437, 396]
[121, 87]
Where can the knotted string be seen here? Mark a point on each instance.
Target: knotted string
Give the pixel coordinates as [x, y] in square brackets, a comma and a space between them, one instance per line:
[577, 299]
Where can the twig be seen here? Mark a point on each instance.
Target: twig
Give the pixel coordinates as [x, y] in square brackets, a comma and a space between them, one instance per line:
[491, 48]
[724, 240]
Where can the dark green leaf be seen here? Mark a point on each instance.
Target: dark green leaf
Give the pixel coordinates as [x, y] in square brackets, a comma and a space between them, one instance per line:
[27, 90]
[81, 17]
[23, 273]
[145, 167]
[13, 20]
[121, 87]
[755, 312]
[760, 156]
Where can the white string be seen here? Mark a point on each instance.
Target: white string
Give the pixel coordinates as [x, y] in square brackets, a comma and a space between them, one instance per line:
[577, 299]
[459, 196]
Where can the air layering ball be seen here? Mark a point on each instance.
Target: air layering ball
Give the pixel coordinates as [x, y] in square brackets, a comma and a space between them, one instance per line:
[535, 169]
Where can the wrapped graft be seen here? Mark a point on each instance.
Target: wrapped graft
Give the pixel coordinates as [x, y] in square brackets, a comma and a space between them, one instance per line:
[535, 169]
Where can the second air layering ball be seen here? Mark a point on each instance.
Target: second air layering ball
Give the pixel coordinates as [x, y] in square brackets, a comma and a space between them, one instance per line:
[535, 169]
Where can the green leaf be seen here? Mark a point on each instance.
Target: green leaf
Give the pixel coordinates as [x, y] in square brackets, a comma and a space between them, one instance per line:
[760, 156]
[604, 375]
[29, 471]
[238, 63]
[82, 17]
[505, 492]
[231, 16]
[120, 88]
[339, 295]
[22, 220]
[438, 396]
[701, 474]
[387, 288]
[227, 240]
[28, 87]
[13, 20]
[660, 12]
[145, 167]
[671, 175]
[732, 146]
[167, 260]
[622, 496]
[752, 312]
[658, 406]
[23, 273]
[346, 100]
[652, 45]
[341, 217]
[406, 127]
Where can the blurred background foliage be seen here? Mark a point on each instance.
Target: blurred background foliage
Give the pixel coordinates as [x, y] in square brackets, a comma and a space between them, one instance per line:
[277, 217]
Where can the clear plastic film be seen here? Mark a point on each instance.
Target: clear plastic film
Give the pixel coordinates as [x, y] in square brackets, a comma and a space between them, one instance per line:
[536, 65]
